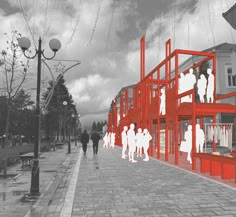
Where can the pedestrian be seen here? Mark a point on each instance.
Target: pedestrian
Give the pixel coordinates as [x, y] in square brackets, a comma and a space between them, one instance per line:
[95, 138]
[84, 140]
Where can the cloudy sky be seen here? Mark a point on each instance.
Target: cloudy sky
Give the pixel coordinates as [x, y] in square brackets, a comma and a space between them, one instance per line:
[105, 36]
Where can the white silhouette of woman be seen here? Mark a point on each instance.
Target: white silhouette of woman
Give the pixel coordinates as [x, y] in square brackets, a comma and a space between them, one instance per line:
[109, 140]
[112, 140]
[146, 139]
[124, 141]
[200, 138]
[105, 140]
[139, 142]
[210, 86]
[131, 143]
[201, 87]
[163, 102]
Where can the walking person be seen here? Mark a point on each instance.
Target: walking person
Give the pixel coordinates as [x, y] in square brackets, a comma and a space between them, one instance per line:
[84, 140]
[95, 138]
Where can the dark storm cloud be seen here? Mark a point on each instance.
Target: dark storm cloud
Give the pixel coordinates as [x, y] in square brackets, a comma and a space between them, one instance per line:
[7, 8]
[142, 13]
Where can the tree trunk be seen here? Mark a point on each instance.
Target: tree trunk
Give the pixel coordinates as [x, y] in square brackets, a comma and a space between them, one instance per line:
[6, 139]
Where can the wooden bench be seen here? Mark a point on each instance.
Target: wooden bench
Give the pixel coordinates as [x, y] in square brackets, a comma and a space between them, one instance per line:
[27, 159]
[217, 165]
[59, 145]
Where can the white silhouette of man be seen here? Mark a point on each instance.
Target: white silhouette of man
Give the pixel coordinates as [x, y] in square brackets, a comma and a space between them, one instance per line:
[190, 81]
[105, 140]
[131, 143]
[181, 83]
[163, 102]
[201, 87]
[139, 142]
[188, 139]
[112, 140]
[210, 86]
[200, 138]
[183, 86]
[124, 141]
[146, 139]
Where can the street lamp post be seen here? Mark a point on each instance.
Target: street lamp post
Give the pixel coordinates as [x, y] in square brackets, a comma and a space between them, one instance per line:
[75, 127]
[25, 44]
[65, 103]
[69, 143]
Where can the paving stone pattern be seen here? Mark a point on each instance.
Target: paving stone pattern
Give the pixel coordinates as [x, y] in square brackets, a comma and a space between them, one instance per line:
[110, 186]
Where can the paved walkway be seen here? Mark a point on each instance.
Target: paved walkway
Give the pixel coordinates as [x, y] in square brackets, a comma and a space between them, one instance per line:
[53, 166]
[106, 185]
[110, 186]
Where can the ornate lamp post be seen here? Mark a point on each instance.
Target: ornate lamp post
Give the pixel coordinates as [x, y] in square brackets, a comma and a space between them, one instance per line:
[65, 103]
[25, 44]
[64, 116]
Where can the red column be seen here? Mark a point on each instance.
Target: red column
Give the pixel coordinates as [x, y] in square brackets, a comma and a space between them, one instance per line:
[193, 134]
[142, 58]
[167, 140]
[126, 101]
[214, 143]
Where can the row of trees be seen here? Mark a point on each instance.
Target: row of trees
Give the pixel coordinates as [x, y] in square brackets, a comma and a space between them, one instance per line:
[98, 126]
[59, 117]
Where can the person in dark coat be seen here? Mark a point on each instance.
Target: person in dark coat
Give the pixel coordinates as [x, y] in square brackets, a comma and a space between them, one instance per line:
[84, 140]
[95, 138]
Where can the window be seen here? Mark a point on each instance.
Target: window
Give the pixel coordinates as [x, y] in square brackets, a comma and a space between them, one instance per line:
[230, 76]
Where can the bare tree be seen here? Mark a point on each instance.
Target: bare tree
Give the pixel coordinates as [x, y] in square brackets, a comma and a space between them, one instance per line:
[14, 68]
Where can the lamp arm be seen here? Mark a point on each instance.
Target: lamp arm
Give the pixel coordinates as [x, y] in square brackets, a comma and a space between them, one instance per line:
[29, 57]
[49, 58]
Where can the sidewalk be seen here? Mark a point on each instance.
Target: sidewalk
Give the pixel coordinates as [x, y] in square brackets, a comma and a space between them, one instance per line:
[53, 166]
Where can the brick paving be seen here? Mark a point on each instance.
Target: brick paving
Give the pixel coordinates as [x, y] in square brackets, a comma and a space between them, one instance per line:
[110, 186]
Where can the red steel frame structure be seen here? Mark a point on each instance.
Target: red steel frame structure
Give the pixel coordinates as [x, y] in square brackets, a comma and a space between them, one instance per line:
[145, 110]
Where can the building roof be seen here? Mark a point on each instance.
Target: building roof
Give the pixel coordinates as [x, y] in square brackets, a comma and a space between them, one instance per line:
[221, 47]
[124, 88]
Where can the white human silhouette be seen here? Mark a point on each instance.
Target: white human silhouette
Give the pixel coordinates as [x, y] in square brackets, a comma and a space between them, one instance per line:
[124, 141]
[181, 83]
[190, 80]
[186, 145]
[188, 139]
[210, 86]
[105, 140]
[109, 139]
[146, 139]
[163, 102]
[139, 142]
[118, 119]
[183, 86]
[131, 143]
[201, 87]
[200, 138]
[112, 145]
